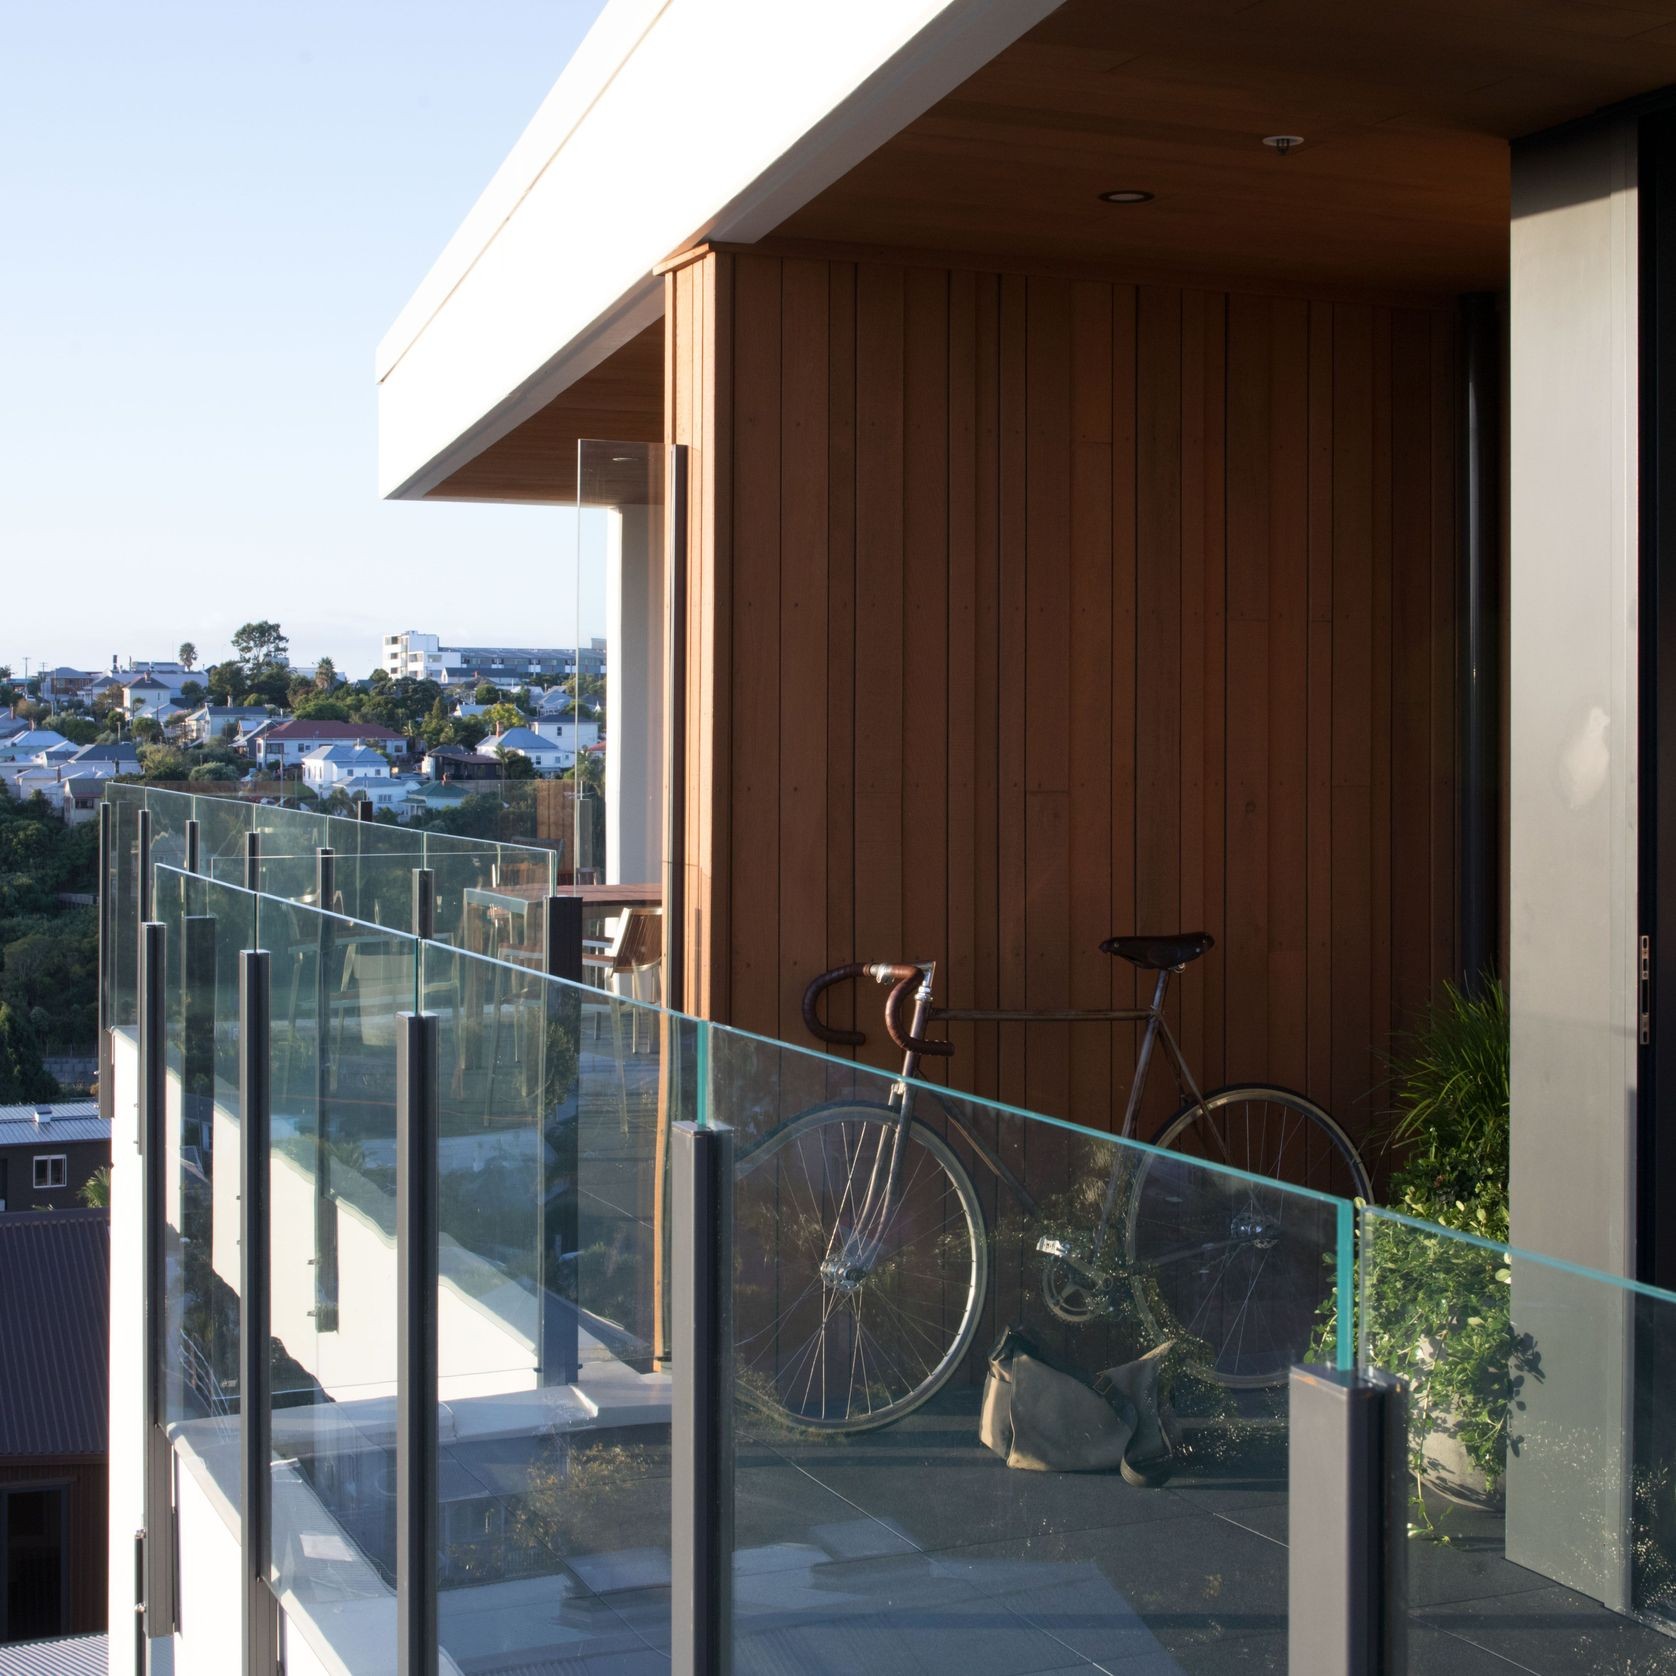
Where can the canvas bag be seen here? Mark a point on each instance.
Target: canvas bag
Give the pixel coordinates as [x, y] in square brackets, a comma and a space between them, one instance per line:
[1039, 1418]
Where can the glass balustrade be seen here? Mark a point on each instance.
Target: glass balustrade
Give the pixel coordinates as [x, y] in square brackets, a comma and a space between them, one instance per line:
[1003, 1391]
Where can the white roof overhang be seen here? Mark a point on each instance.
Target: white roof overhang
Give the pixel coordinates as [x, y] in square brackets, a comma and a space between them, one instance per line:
[676, 121]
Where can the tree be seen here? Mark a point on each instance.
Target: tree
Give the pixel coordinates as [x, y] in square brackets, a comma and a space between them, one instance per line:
[515, 765]
[223, 680]
[321, 710]
[147, 728]
[95, 1192]
[325, 675]
[22, 1076]
[487, 693]
[212, 771]
[188, 654]
[503, 717]
[261, 644]
[77, 729]
[192, 693]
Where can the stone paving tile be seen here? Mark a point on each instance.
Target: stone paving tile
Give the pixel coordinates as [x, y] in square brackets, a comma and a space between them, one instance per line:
[1555, 1631]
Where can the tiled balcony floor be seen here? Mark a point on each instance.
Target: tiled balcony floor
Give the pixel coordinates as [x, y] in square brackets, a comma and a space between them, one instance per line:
[913, 1552]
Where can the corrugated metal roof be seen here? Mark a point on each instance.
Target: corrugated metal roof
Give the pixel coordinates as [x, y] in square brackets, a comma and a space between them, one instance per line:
[70, 1120]
[72, 1655]
[55, 1298]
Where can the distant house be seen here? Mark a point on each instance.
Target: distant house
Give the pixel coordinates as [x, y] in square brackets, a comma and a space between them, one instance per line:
[109, 760]
[145, 695]
[208, 724]
[26, 757]
[288, 742]
[547, 756]
[67, 683]
[454, 762]
[82, 790]
[391, 791]
[54, 1423]
[49, 1152]
[568, 734]
[327, 766]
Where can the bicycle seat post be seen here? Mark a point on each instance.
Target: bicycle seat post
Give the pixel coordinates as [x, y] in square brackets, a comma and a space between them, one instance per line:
[1144, 1057]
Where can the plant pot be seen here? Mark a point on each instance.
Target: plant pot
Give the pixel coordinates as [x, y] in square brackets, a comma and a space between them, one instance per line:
[1448, 1471]
[1445, 1466]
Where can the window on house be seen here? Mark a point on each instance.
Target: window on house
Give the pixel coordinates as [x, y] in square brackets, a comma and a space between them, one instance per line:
[50, 1170]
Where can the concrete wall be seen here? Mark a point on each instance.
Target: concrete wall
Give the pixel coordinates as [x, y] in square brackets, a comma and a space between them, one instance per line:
[1572, 839]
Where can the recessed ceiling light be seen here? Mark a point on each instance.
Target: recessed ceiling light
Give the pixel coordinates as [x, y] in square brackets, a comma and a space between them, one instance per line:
[1126, 195]
[1283, 143]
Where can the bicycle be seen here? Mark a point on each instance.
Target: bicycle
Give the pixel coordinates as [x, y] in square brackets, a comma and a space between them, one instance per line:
[873, 1217]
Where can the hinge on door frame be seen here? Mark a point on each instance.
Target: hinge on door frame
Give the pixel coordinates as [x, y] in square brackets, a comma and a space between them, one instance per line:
[1645, 990]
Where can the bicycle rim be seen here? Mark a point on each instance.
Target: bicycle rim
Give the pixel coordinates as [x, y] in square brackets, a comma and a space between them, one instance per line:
[1225, 1262]
[830, 1346]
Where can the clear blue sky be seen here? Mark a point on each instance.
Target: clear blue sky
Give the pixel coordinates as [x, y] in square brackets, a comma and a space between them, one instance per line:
[212, 210]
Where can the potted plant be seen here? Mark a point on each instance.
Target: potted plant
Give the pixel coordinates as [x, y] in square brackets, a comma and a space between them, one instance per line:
[1436, 1310]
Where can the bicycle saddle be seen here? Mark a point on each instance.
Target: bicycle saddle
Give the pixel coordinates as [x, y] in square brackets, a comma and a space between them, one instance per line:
[1160, 954]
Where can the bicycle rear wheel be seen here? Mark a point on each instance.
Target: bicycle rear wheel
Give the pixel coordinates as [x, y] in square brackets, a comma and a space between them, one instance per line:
[843, 1327]
[1224, 1259]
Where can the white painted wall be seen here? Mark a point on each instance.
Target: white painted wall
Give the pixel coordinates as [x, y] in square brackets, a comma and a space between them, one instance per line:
[552, 270]
[1572, 852]
[634, 753]
[127, 1418]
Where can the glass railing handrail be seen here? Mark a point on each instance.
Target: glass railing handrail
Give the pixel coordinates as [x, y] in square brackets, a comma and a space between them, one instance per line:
[1516, 1253]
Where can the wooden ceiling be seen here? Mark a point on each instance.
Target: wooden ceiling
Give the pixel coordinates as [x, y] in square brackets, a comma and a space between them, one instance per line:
[1400, 186]
[1405, 107]
[621, 400]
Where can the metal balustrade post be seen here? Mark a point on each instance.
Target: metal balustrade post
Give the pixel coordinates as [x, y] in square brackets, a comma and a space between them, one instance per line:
[1347, 1493]
[107, 954]
[424, 903]
[198, 991]
[701, 1445]
[325, 1204]
[142, 861]
[193, 846]
[417, 1523]
[253, 861]
[259, 1608]
[558, 1158]
[159, 1456]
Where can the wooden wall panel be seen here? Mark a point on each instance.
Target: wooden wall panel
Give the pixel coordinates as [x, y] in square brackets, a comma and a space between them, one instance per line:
[1040, 609]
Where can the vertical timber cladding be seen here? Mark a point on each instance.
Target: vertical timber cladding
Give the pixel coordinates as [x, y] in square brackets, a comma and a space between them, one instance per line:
[1026, 610]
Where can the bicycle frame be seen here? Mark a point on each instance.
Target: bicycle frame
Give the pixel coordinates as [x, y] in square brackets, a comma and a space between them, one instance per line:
[926, 1012]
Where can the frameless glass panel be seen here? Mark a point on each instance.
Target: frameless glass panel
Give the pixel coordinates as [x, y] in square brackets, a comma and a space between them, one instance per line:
[610, 734]
[170, 811]
[490, 897]
[1001, 1383]
[289, 840]
[206, 928]
[554, 1113]
[378, 887]
[222, 824]
[1542, 1449]
[337, 989]
[123, 884]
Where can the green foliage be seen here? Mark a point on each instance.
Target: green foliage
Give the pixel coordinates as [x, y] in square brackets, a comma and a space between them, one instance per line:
[321, 710]
[223, 680]
[503, 717]
[79, 730]
[1436, 1310]
[487, 693]
[515, 765]
[188, 654]
[401, 705]
[192, 694]
[96, 1190]
[1452, 1099]
[22, 1077]
[163, 764]
[211, 771]
[49, 974]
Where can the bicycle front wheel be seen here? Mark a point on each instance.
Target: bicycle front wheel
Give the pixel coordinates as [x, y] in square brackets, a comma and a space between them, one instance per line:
[1225, 1259]
[846, 1319]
